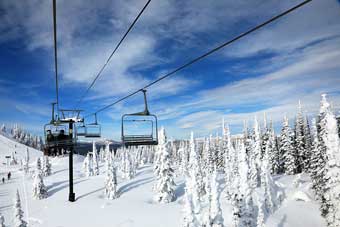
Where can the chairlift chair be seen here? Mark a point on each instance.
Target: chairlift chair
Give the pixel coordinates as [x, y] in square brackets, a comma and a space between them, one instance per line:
[93, 130]
[58, 135]
[81, 130]
[140, 128]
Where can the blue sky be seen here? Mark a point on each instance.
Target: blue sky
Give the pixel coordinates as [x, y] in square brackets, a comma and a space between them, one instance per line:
[269, 71]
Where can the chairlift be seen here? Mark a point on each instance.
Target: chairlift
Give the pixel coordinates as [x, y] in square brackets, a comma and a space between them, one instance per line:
[93, 130]
[140, 128]
[81, 130]
[58, 134]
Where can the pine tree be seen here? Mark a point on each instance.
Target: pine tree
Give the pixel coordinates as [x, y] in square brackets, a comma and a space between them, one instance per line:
[236, 211]
[287, 149]
[272, 193]
[243, 192]
[127, 165]
[184, 157]
[47, 168]
[87, 165]
[192, 208]
[273, 152]
[111, 180]
[165, 181]
[317, 164]
[95, 159]
[255, 156]
[229, 160]
[38, 165]
[38, 168]
[241, 185]
[2, 221]
[215, 218]
[39, 189]
[331, 196]
[260, 214]
[265, 135]
[27, 161]
[219, 152]
[300, 146]
[195, 167]
[308, 144]
[189, 217]
[18, 213]
[248, 213]
[322, 147]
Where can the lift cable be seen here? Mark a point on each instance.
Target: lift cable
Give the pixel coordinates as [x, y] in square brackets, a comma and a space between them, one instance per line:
[205, 55]
[55, 53]
[114, 51]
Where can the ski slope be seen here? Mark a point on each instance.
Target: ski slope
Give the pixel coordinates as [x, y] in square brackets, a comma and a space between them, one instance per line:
[135, 207]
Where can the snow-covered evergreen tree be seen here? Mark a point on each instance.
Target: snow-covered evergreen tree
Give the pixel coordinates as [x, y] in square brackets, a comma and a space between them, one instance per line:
[192, 209]
[39, 188]
[3, 129]
[300, 142]
[189, 217]
[287, 149]
[47, 168]
[229, 161]
[87, 165]
[214, 217]
[2, 221]
[273, 152]
[111, 180]
[165, 182]
[127, 167]
[255, 157]
[322, 152]
[260, 214]
[272, 193]
[331, 197]
[308, 144]
[18, 213]
[317, 164]
[95, 159]
[184, 153]
[38, 168]
[265, 134]
[102, 155]
[194, 166]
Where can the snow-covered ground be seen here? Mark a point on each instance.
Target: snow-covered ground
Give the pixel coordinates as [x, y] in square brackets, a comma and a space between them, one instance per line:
[135, 207]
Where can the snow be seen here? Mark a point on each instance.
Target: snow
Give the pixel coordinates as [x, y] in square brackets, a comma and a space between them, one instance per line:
[301, 196]
[135, 207]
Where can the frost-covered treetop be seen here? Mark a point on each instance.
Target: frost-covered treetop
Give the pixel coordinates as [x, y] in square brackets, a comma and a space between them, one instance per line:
[324, 104]
[162, 136]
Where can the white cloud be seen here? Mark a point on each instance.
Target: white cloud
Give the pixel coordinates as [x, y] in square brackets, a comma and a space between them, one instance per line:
[304, 26]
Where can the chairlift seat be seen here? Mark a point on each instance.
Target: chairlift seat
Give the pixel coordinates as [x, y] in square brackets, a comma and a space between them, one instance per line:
[93, 131]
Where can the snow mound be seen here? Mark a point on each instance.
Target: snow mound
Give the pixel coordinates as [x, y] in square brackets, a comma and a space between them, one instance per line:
[301, 196]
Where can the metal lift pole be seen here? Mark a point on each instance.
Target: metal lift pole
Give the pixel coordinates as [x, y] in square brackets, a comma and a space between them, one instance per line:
[71, 196]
